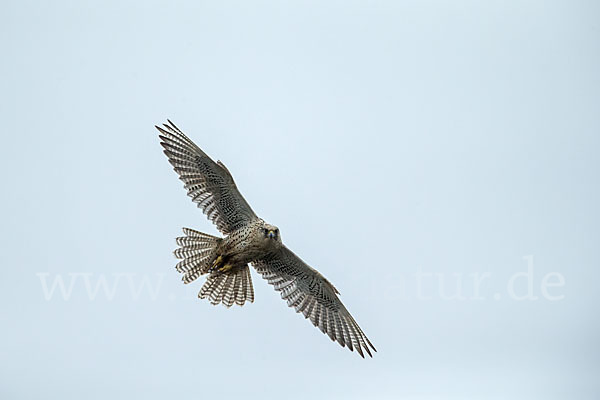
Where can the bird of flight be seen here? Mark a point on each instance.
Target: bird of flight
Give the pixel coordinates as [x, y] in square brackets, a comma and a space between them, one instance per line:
[248, 240]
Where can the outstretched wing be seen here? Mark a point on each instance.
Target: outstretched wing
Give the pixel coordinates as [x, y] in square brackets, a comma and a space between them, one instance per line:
[209, 184]
[309, 293]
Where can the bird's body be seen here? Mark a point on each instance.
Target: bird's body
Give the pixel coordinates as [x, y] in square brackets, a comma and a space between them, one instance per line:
[248, 240]
[245, 245]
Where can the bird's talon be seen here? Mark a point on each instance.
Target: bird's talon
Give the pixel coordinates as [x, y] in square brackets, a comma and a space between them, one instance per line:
[220, 266]
[225, 268]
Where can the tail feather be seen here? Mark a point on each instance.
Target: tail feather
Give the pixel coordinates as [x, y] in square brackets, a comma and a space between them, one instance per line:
[188, 253]
[196, 252]
[228, 288]
[247, 291]
[227, 295]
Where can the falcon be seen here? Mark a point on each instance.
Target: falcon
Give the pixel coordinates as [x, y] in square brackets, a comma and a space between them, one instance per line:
[248, 239]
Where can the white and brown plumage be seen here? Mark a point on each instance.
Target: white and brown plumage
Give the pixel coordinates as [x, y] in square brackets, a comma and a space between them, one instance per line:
[248, 240]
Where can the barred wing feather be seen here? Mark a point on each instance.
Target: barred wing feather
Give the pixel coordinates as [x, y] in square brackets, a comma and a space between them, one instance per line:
[309, 293]
[209, 184]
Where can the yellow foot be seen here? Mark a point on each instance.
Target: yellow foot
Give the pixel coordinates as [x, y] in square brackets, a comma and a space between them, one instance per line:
[218, 265]
[225, 268]
[217, 262]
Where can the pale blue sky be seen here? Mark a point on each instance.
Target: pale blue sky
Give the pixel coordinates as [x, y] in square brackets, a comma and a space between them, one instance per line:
[397, 145]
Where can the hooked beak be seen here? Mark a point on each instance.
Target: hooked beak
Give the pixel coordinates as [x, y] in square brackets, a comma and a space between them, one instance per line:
[271, 234]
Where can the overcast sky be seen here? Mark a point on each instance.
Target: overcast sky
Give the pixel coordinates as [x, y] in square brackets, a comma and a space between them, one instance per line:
[437, 161]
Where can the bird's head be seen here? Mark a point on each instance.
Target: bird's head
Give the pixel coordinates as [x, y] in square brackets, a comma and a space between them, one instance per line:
[271, 233]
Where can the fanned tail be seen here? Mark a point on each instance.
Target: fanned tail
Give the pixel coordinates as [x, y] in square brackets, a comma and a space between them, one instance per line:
[231, 287]
[197, 251]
